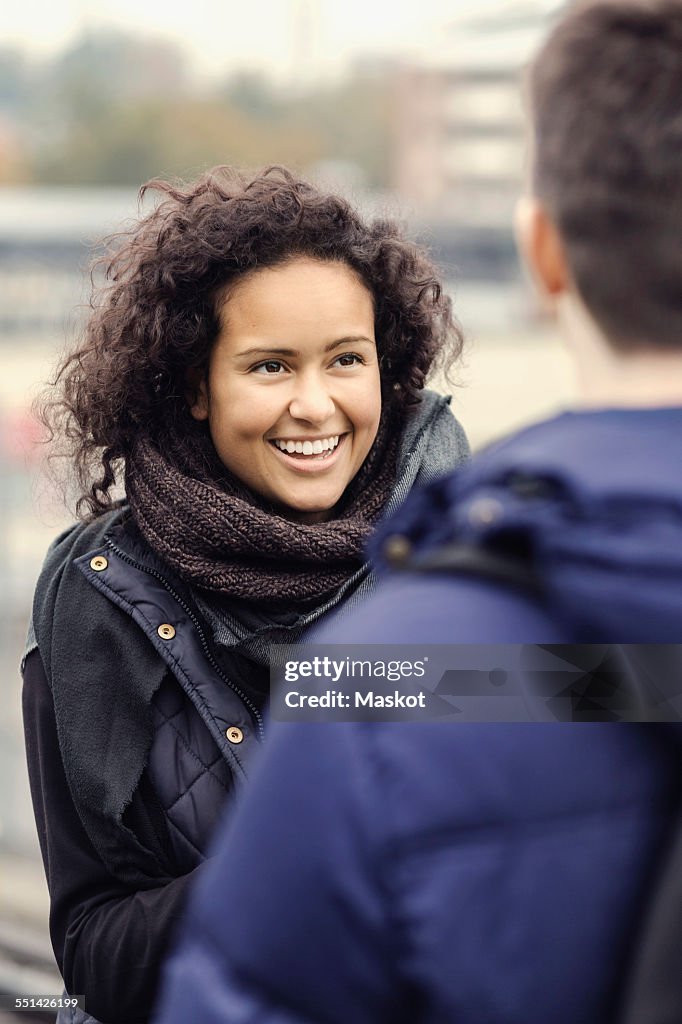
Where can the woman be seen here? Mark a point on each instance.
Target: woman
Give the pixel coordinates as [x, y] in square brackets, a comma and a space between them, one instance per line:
[251, 374]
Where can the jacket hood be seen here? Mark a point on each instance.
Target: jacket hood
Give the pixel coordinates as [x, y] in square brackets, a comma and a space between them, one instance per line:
[591, 502]
[432, 444]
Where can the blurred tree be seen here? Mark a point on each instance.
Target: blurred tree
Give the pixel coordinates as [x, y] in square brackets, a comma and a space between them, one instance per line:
[251, 93]
[116, 110]
[138, 141]
[101, 67]
[353, 118]
[350, 119]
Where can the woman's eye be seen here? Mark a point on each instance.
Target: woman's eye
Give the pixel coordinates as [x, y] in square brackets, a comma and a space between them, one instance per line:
[348, 359]
[271, 366]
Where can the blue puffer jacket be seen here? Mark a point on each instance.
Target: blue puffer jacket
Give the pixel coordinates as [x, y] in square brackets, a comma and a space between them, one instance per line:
[468, 874]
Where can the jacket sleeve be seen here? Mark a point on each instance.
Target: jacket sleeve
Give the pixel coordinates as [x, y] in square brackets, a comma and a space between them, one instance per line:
[109, 941]
[290, 924]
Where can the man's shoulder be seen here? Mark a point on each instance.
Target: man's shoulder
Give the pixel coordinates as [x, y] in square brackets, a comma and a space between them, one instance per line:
[443, 608]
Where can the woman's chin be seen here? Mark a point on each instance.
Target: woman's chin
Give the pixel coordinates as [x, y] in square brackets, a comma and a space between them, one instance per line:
[306, 515]
[307, 508]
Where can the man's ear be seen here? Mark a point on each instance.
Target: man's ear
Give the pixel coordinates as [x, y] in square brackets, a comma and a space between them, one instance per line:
[197, 393]
[541, 248]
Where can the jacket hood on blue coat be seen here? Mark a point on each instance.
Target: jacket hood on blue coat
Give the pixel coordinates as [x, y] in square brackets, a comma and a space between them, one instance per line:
[591, 501]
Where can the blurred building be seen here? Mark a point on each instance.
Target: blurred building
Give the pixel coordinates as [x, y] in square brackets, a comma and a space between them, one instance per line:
[46, 240]
[459, 137]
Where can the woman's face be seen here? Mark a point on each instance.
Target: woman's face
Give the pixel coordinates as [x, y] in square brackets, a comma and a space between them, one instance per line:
[293, 395]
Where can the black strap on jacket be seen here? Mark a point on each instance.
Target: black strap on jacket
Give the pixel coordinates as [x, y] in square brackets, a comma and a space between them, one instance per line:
[471, 561]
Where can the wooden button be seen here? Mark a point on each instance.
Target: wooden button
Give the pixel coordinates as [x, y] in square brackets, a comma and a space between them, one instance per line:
[234, 734]
[98, 563]
[166, 631]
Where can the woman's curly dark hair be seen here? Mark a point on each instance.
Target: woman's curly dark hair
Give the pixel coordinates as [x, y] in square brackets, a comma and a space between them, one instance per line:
[154, 316]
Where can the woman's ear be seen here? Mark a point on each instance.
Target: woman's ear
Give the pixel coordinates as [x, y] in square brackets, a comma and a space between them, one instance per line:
[197, 393]
[541, 248]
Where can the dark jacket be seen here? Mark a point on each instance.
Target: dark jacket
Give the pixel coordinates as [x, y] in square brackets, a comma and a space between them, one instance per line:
[139, 725]
[466, 872]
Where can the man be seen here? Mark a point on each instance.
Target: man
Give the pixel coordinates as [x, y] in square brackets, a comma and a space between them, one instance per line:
[500, 873]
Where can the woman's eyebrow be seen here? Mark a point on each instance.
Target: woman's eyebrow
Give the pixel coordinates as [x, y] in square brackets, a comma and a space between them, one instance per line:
[267, 350]
[351, 339]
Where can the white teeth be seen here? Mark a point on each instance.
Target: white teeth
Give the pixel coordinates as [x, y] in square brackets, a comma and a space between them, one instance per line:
[317, 447]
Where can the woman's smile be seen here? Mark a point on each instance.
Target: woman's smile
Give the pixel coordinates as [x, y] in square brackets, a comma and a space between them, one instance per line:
[309, 455]
[307, 446]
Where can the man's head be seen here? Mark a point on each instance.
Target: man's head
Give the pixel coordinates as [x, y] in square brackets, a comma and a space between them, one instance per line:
[606, 118]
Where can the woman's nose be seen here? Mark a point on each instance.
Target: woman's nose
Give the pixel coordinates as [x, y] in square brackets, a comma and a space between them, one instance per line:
[311, 401]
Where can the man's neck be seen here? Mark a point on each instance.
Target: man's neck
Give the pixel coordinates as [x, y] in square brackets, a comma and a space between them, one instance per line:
[607, 378]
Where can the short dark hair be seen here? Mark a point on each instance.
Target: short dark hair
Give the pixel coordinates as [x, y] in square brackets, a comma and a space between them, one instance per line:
[606, 99]
[154, 315]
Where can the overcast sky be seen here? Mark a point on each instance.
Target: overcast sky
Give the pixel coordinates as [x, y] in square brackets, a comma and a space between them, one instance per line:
[274, 35]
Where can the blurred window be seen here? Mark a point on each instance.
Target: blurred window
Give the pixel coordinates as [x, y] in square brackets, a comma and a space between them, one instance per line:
[494, 102]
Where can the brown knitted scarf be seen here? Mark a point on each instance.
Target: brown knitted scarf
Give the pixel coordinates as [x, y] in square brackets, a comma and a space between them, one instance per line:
[218, 535]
